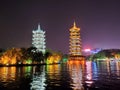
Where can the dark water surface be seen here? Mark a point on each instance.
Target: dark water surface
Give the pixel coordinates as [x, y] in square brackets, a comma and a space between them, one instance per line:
[78, 75]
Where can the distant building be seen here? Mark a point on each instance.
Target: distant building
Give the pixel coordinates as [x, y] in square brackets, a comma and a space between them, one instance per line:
[38, 39]
[96, 50]
[89, 51]
[75, 41]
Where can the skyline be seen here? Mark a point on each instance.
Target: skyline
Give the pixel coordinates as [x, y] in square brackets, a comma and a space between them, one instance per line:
[99, 22]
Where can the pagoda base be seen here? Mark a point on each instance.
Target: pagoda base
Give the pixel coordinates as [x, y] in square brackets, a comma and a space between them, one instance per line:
[76, 57]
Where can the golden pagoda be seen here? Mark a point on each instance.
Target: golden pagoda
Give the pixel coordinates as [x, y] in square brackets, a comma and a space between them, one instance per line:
[75, 41]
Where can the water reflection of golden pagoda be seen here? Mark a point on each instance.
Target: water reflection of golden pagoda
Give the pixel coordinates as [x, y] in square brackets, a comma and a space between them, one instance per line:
[76, 71]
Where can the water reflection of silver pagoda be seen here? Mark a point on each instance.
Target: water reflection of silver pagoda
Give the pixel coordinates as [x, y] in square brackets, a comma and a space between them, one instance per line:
[38, 82]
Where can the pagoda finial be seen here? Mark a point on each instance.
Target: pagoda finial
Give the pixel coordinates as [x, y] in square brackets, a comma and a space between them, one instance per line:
[38, 26]
[74, 24]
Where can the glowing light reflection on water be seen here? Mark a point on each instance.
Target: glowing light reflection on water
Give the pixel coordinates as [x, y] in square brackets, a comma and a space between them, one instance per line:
[74, 75]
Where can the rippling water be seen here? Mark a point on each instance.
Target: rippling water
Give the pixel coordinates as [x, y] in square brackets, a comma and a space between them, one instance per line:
[77, 75]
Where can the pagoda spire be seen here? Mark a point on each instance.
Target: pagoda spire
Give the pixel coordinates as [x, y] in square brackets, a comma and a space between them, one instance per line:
[74, 24]
[39, 27]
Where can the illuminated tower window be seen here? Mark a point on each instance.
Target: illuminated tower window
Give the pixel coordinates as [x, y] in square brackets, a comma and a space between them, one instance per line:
[75, 41]
[38, 39]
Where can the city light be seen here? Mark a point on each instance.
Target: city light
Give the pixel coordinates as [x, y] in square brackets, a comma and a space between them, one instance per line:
[87, 50]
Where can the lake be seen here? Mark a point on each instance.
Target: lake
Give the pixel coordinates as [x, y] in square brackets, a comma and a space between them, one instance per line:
[74, 75]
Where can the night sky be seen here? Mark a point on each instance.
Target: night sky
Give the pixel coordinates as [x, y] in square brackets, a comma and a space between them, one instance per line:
[99, 21]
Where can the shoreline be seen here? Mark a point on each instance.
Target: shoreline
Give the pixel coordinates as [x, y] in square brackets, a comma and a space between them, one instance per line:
[21, 65]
